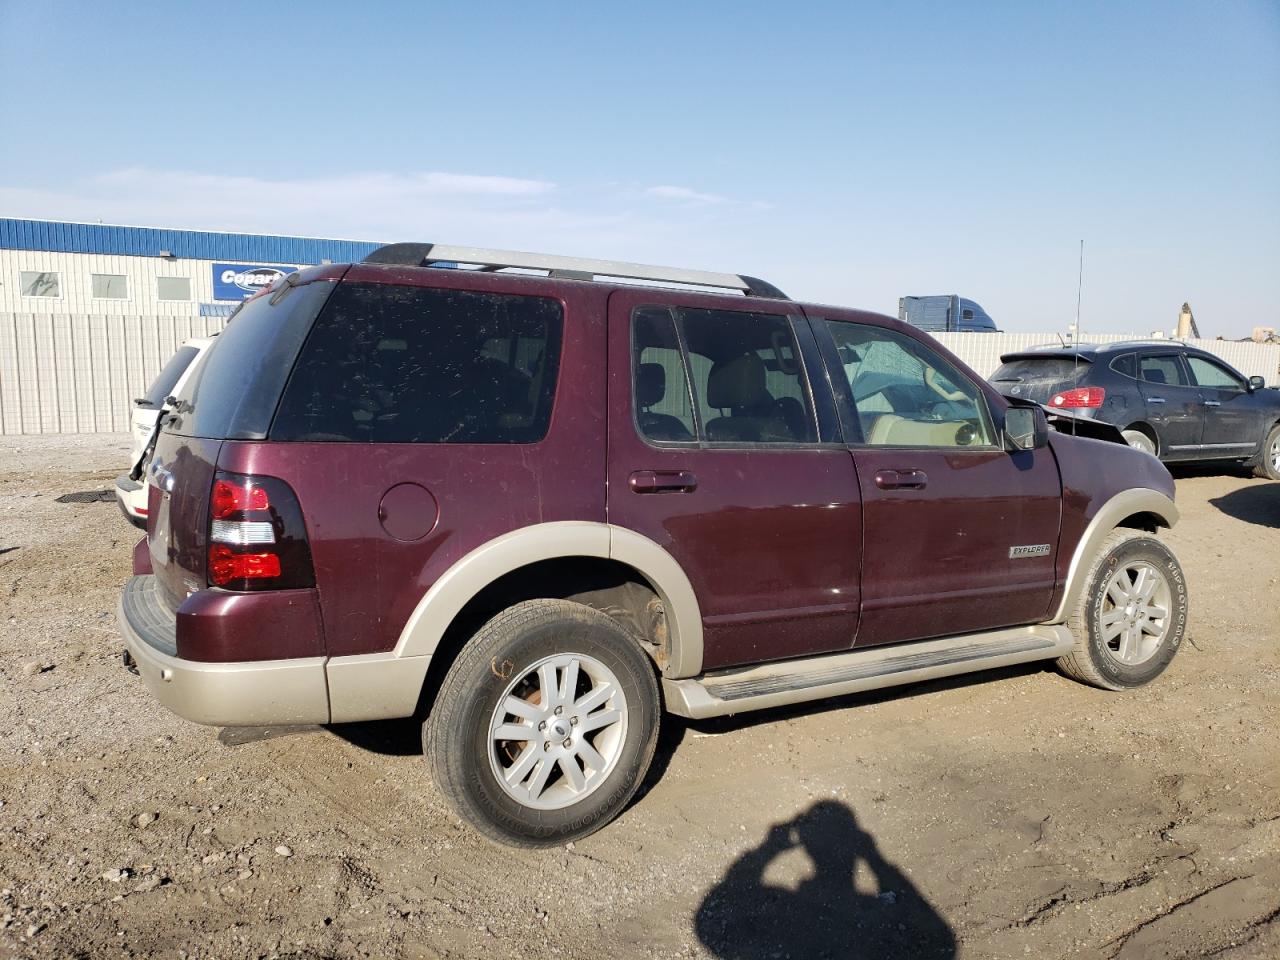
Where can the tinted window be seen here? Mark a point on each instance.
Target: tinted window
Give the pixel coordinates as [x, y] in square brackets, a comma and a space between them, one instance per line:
[399, 364]
[173, 288]
[163, 384]
[1209, 374]
[37, 283]
[747, 377]
[1164, 368]
[905, 394]
[664, 410]
[234, 393]
[1126, 364]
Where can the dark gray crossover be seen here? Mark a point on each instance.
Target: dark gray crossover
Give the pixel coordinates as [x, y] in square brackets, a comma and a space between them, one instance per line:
[1170, 399]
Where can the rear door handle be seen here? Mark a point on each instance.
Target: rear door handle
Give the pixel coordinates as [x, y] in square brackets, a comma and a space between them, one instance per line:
[1213, 403]
[1155, 399]
[902, 479]
[663, 481]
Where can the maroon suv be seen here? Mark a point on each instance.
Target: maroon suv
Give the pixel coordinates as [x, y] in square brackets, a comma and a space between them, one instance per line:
[539, 510]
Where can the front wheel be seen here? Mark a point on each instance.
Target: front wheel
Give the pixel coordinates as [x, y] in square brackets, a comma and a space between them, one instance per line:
[1132, 614]
[1268, 465]
[544, 725]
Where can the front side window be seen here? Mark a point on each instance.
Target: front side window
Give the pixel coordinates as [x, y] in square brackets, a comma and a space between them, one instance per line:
[905, 394]
[109, 286]
[1164, 368]
[173, 288]
[747, 380]
[39, 283]
[1209, 374]
[401, 364]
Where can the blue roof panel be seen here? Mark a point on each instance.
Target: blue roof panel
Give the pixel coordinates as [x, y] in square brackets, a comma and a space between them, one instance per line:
[59, 237]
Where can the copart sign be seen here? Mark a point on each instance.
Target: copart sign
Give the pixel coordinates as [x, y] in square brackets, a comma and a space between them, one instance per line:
[239, 281]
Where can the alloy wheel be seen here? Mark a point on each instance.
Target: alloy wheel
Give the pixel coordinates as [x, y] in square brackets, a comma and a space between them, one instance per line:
[557, 731]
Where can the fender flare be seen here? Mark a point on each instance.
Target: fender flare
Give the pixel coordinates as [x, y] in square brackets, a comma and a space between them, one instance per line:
[455, 588]
[1124, 504]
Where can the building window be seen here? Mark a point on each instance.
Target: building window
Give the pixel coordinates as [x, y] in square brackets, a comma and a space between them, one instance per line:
[173, 288]
[109, 286]
[38, 283]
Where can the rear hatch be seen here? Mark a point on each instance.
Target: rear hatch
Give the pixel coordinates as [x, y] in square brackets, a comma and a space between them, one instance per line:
[231, 396]
[1038, 376]
[147, 407]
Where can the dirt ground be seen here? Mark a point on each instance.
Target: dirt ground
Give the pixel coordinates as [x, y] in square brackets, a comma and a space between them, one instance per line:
[1009, 814]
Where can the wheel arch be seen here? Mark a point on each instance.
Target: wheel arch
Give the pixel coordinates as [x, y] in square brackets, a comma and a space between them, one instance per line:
[593, 563]
[1138, 508]
[1144, 427]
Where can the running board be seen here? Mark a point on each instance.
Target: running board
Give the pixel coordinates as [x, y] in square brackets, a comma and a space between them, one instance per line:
[833, 674]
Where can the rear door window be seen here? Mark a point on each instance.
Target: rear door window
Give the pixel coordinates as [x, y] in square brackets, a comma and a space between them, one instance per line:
[403, 364]
[718, 376]
[1164, 368]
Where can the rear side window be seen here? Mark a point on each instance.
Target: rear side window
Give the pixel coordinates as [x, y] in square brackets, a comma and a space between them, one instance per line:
[1126, 364]
[168, 378]
[664, 410]
[1164, 368]
[233, 394]
[401, 364]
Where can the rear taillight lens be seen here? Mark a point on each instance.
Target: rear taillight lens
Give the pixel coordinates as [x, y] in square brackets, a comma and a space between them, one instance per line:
[257, 538]
[1078, 398]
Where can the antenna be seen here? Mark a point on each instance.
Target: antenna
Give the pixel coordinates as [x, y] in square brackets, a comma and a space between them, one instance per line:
[1079, 294]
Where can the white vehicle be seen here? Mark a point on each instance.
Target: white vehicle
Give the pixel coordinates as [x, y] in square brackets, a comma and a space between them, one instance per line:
[132, 493]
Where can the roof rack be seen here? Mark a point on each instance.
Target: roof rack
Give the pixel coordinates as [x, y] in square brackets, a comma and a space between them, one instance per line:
[567, 268]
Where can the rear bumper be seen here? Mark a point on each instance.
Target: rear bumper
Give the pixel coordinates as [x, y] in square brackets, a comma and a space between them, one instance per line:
[251, 693]
[132, 497]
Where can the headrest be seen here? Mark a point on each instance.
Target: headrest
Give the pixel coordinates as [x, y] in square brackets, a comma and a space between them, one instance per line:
[738, 384]
[651, 384]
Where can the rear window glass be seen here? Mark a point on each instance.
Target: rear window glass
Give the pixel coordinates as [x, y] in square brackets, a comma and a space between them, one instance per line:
[168, 378]
[1126, 364]
[401, 364]
[1030, 370]
[234, 393]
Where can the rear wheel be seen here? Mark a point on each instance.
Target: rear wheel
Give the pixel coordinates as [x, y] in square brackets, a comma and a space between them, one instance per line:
[545, 724]
[1130, 619]
[1268, 465]
[1139, 441]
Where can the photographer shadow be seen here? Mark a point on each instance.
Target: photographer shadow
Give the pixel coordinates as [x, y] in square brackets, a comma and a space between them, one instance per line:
[825, 915]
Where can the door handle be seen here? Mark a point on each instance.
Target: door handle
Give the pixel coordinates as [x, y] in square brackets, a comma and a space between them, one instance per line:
[1213, 403]
[663, 481]
[902, 479]
[1155, 399]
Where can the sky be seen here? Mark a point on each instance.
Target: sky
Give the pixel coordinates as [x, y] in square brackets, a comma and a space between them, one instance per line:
[848, 153]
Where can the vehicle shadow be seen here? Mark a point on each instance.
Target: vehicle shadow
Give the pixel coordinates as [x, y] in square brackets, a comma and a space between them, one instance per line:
[1259, 503]
[828, 911]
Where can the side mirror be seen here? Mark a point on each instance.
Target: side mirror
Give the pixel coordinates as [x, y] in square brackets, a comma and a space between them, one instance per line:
[1025, 428]
[1256, 383]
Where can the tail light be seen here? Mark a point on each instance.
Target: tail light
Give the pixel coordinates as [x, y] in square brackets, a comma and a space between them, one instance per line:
[257, 539]
[1078, 398]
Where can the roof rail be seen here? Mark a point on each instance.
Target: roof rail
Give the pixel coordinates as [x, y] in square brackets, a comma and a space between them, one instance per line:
[567, 268]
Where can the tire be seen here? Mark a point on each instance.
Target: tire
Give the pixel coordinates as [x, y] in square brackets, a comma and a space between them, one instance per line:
[1268, 465]
[1139, 441]
[1141, 655]
[531, 647]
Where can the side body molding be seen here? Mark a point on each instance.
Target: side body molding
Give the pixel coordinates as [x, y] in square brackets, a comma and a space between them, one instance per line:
[384, 685]
[1124, 504]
